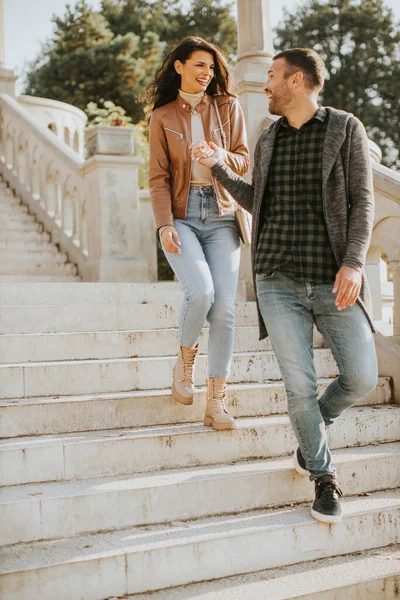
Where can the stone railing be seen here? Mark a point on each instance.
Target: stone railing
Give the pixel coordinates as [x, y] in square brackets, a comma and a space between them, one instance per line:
[385, 241]
[66, 121]
[91, 208]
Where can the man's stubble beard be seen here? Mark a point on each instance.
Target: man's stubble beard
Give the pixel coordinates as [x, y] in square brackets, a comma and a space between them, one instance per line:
[278, 105]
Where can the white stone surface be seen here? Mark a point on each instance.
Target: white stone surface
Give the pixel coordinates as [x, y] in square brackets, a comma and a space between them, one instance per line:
[62, 414]
[89, 294]
[102, 317]
[115, 344]
[124, 451]
[181, 552]
[113, 375]
[369, 575]
[58, 510]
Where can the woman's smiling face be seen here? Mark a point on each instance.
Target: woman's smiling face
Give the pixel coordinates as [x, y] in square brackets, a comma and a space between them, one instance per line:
[196, 72]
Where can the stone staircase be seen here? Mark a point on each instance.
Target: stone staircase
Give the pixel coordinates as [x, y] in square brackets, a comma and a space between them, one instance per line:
[110, 488]
[26, 253]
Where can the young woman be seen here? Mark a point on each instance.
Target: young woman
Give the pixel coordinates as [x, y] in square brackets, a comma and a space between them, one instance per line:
[194, 214]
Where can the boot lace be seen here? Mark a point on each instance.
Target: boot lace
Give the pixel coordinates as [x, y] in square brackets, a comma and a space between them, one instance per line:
[188, 362]
[218, 398]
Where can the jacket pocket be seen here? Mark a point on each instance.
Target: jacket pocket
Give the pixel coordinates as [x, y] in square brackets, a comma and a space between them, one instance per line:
[173, 131]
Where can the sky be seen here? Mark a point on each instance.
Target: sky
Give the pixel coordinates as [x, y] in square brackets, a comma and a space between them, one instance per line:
[28, 24]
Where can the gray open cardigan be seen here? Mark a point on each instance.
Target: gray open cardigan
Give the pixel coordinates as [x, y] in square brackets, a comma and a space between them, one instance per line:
[347, 193]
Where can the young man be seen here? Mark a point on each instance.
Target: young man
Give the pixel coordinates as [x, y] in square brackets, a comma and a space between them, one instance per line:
[312, 203]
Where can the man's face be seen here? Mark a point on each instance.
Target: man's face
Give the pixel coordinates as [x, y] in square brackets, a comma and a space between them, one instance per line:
[277, 88]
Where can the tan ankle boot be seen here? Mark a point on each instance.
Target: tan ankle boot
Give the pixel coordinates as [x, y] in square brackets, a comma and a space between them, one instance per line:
[182, 383]
[216, 415]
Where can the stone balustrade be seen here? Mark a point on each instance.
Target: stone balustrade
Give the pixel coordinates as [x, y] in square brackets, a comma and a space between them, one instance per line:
[385, 241]
[64, 120]
[92, 208]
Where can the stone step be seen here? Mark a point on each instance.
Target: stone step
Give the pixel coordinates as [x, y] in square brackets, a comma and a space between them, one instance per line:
[38, 347]
[124, 451]
[102, 317]
[19, 267]
[19, 380]
[12, 210]
[15, 217]
[136, 560]
[39, 278]
[32, 258]
[369, 575]
[65, 414]
[90, 294]
[22, 227]
[22, 246]
[58, 510]
[23, 236]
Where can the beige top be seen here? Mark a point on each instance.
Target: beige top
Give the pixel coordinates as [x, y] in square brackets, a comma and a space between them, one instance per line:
[201, 175]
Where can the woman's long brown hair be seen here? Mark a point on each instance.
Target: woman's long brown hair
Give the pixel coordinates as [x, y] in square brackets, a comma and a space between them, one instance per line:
[167, 81]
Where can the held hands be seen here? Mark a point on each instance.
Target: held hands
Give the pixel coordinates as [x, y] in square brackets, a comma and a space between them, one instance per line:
[208, 154]
[170, 239]
[347, 286]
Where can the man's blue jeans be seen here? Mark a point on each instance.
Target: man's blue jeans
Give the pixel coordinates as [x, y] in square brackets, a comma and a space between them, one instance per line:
[289, 309]
[208, 271]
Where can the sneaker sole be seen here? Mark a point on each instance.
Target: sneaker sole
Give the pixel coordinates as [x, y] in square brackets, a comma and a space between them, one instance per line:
[298, 468]
[325, 518]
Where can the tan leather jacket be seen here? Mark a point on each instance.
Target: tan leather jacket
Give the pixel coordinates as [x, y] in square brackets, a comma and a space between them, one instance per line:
[170, 162]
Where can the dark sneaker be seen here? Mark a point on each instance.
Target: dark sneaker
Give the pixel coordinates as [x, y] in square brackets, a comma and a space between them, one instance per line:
[326, 507]
[300, 464]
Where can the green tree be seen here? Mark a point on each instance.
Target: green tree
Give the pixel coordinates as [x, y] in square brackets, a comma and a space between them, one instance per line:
[211, 19]
[86, 62]
[360, 44]
[113, 54]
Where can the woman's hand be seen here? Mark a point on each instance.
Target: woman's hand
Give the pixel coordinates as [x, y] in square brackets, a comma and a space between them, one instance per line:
[208, 154]
[170, 239]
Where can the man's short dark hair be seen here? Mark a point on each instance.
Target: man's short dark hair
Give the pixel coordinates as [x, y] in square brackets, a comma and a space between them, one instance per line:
[308, 62]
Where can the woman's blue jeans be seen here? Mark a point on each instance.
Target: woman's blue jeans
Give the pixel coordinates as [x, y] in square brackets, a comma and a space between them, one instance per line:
[208, 270]
[289, 309]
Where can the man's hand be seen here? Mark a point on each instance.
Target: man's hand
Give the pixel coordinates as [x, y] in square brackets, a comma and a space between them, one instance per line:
[347, 286]
[207, 154]
[170, 239]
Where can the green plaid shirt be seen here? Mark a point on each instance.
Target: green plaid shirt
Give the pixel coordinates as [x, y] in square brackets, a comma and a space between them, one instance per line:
[293, 235]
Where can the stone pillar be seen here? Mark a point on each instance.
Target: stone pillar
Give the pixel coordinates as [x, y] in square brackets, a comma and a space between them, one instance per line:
[7, 77]
[251, 72]
[395, 266]
[255, 56]
[114, 220]
[373, 272]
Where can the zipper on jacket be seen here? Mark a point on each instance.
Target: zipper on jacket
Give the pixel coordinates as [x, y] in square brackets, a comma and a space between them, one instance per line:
[173, 131]
[190, 174]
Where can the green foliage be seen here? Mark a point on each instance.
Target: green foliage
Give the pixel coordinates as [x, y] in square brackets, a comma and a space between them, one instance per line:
[113, 54]
[360, 44]
[109, 115]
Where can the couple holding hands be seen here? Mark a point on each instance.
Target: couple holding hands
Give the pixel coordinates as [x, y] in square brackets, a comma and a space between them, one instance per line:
[311, 201]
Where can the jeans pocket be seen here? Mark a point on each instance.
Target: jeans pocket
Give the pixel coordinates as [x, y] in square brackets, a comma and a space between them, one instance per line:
[264, 276]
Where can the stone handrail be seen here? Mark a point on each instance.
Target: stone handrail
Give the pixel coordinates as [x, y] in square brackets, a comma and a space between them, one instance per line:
[385, 239]
[64, 120]
[47, 174]
[91, 208]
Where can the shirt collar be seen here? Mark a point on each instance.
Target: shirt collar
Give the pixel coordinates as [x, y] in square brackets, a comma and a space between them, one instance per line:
[320, 115]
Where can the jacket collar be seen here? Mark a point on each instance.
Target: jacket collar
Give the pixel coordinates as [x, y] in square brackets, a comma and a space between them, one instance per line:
[185, 106]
